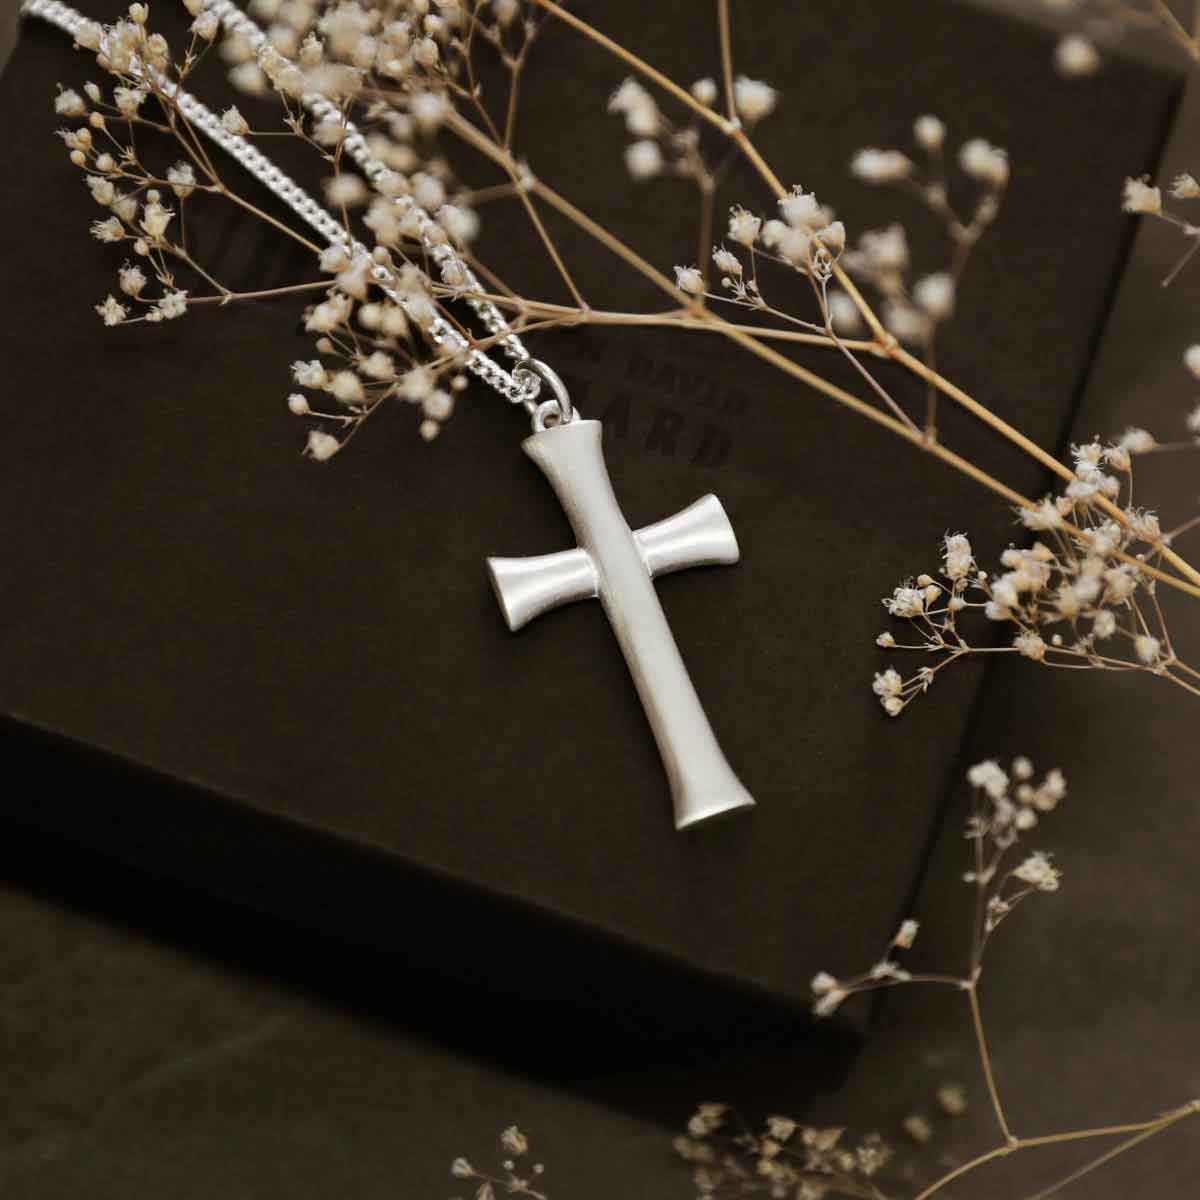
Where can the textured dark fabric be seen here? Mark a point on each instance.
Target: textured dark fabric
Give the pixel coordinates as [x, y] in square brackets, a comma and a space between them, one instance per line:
[300, 670]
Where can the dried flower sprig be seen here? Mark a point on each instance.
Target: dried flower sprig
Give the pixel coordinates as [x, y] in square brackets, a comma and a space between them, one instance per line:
[514, 1177]
[785, 1158]
[410, 74]
[1006, 804]
[1077, 598]
[914, 313]
[1142, 198]
[377, 312]
[1099, 21]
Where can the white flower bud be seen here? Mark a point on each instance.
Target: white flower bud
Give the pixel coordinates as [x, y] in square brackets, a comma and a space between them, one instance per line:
[182, 179]
[1185, 187]
[689, 279]
[753, 99]
[112, 312]
[743, 227]
[321, 446]
[880, 166]
[726, 261]
[1139, 197]
[207, 25]
[983, 162]
[89, 35]
[69, 103]
[1147, 648]
[347, 387]
[935, 294]
[438, 405]
[1076, 55]
[233, 122]
[929, 132]
[643, 159]
[131, 279]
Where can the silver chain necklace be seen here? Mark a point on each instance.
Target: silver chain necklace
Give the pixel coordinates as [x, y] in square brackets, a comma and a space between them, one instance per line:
[611, 562]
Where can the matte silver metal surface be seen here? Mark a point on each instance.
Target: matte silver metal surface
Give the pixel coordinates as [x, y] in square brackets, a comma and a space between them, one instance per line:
[617, 565]
[561, 402]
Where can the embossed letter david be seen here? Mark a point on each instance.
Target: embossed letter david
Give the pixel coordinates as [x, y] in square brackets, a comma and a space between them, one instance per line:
[618, 565]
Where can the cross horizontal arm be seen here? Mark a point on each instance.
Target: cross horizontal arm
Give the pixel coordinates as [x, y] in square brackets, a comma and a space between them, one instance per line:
[697, 536]
[528, 587]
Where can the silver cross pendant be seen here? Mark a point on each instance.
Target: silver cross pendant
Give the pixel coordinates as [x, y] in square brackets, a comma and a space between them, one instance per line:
[618, 565]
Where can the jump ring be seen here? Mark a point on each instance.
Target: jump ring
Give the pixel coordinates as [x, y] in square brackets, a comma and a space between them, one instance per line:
[561, 400]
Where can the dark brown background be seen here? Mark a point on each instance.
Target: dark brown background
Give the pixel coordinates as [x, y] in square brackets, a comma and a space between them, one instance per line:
[247, 1085]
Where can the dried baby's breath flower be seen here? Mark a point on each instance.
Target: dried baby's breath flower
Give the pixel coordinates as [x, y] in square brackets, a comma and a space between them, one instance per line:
[643, 159]
[1038, 871]
[109, 230]
[935, 295]
[753, 99]
[929, 132]
[1076, 55]
[233, 122]
[881, 166]
[638, 107]
[69, 103]
[690, 280]
[917, 1126]
[131, 279]
[952, 1098]
[182, 179]
[744, 227]
[984, 162]
[346, 190]
[843, 313]
[321, 446]
[89, 35]
[1140, 197]
[1080, 598]
[1185, 187]
[129, 100]
[112, 311]
[513, 1141]
[103, 191]
[155, 219]
[207, 25]
[172, 305]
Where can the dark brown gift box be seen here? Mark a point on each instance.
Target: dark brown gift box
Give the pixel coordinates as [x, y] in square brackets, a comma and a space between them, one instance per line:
[289, 684]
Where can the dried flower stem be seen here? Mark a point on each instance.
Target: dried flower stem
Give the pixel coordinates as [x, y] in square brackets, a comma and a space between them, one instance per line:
[985, 1061]
[887, 344]
[726, 42]
[749, 341]
[1142, 1130]
[1006, 805]
[1175, 29]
